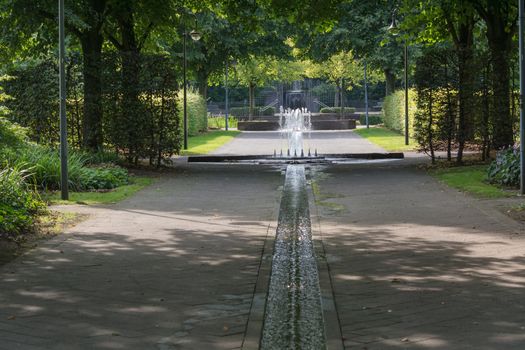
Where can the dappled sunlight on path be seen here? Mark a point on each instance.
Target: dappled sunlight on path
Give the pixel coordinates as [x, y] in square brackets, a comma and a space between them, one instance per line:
[418, 266]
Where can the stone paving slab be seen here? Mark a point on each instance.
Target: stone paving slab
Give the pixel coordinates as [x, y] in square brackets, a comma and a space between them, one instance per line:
[326, 142]
[416, 265]
[172, 268]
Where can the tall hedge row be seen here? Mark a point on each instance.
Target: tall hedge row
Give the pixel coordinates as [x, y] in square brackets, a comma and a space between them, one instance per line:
[394, 111]
[197, 111]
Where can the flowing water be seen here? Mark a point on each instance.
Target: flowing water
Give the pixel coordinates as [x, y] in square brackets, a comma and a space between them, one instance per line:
[293, 316]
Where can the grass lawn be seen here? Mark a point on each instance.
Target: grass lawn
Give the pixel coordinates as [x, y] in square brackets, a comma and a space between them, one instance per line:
[471, 179]
[112, 196]
[387, 139]
[205, 143]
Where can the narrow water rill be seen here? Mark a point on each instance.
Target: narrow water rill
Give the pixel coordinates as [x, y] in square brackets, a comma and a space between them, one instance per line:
[293, 316]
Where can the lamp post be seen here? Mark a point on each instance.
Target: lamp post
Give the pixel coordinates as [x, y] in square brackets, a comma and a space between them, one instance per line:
[522, 95]
[195, 37]
[366, 99]
[394, 30]
[62, 88]
[226, 97]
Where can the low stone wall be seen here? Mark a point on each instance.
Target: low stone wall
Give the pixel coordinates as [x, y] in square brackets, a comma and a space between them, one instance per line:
[333, 124]
[263, 125]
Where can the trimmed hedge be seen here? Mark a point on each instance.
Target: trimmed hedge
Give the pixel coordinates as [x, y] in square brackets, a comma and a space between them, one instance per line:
[245, 111]
[337, 110]
[372, 119]
[197, 112]
[394, 111]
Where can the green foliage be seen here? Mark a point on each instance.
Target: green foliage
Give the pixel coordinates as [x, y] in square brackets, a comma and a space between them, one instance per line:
[103, 177]
[33, 101]
[505, 170]
[349, 110]
[394, 111]
[359, 26]
[101, 157]
[152, 128]
[43, 167]
[18, 202]
[197, 112]
[372, 119]
[437, 100]
[134, 185]
[220, 122]
[11, 135]
[245, 111]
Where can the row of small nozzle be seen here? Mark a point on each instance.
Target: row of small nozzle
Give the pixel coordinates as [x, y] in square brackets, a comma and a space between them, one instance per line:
[288, 153]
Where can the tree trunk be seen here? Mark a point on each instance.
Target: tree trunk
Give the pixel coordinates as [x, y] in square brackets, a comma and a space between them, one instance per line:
[251, 89]
[130, 55]
[503, 123]
[429, 128]
[390, 82]
[342, 97]
[202, 77]
[92, 58]
[465, 84]
[501, 26]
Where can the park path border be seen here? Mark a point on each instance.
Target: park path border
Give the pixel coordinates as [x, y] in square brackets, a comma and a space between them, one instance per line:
[332, 324]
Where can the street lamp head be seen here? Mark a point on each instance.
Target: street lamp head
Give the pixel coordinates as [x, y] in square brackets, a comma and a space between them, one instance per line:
[393, 29]
[195, 35]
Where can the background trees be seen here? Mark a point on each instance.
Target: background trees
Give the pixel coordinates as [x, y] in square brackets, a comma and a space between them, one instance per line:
[271, 41]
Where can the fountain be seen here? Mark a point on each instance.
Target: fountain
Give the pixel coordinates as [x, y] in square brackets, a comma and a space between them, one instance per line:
[293, 123]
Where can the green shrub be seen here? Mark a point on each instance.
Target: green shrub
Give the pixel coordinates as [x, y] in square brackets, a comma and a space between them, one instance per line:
[11, 135]
[105, 177]
[197, 112]
[219, 122]
[372, 119]
[44, 164]
[337, 110]
[245, 111]
[394, 111]
[101, 157]
[18, 202]
[505, 170]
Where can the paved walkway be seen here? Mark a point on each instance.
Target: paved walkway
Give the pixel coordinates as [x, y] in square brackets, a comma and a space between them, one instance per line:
[172, 268]
[415, 265]
[326, 142]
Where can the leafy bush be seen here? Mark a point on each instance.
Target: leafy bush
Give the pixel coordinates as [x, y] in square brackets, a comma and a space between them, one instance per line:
[18, 202]
[505, 170]
[106, 177]
[34, 105]
[101, 157]
[394, 111]
[245, 111]
[145, 116]
[44, 164]
[197, 112]
[337, 110]
[372, 119]
[219, 122]
[11, 135]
